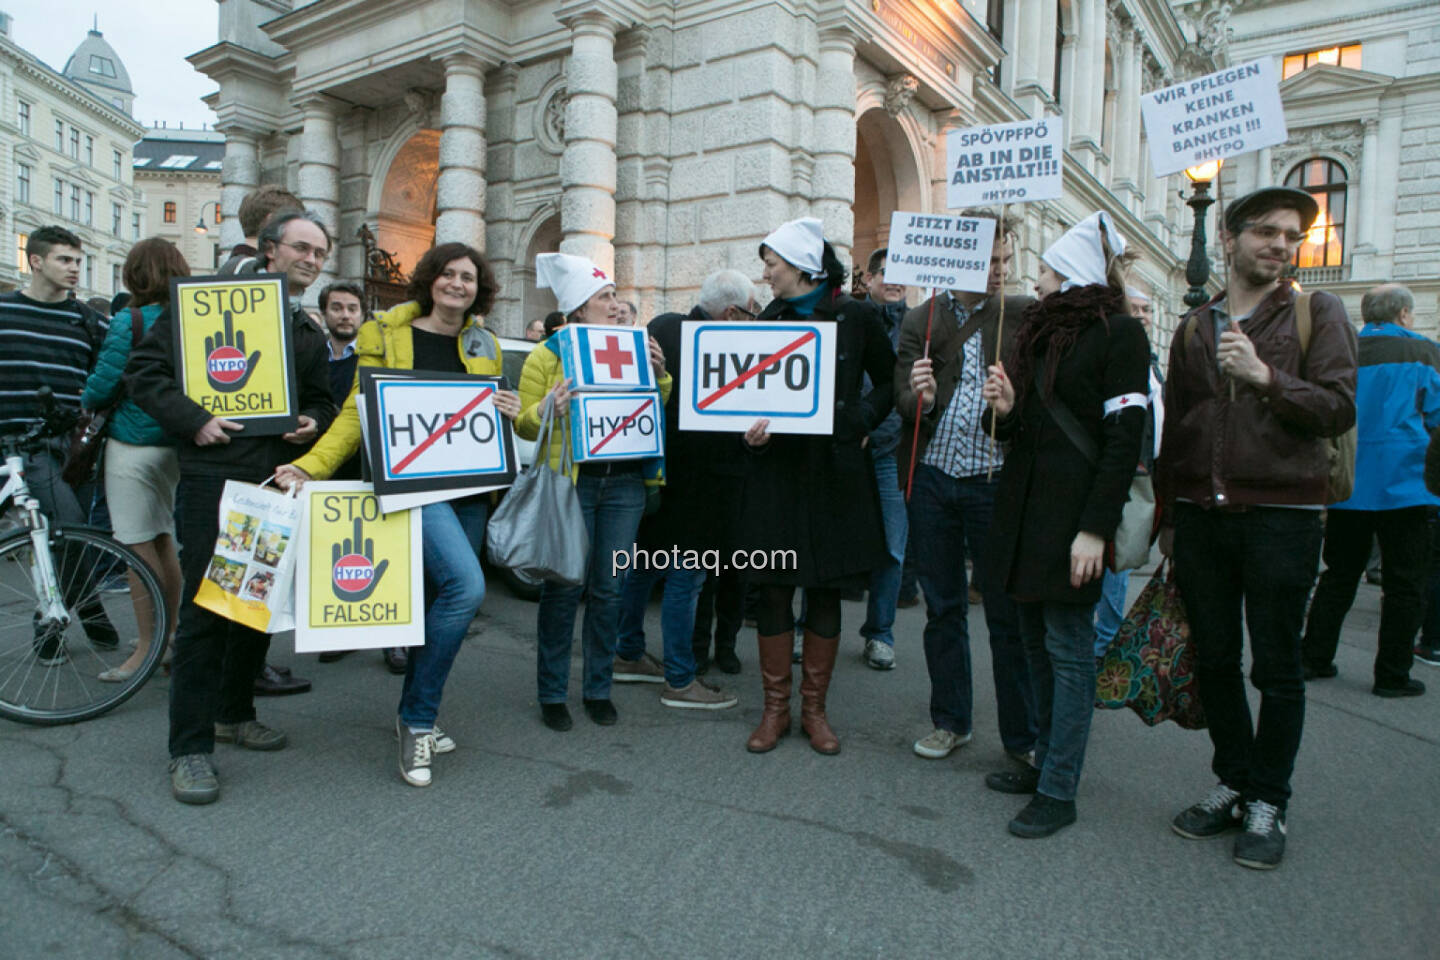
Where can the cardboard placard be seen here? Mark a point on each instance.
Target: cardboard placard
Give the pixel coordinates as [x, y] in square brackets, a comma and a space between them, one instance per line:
[946, 252]
[733, 374]
[1005, 163]
[429, 433]
[1219, 115]
[360, 575]
[232, 349]
[599, 356]
[616, 426]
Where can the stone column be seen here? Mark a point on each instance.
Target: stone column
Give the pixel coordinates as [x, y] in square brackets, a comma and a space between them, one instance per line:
[1086, 84]
[587, 167]
[1026, 43]
[635, 275]
[834, 139]
[460, 186]
[239, 174]
[318, 177]
[1045, 52]
[502, 223]
[1369, 188]
[354, 190]
[1125, 154]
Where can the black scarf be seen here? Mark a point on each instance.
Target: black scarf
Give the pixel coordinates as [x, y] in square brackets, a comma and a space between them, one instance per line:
[1050, 327]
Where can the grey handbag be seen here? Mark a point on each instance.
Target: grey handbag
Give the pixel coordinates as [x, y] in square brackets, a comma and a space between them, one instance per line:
[538, 529]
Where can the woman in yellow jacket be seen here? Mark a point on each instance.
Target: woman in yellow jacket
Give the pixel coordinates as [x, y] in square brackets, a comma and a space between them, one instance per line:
[612, 499]
[439, 329]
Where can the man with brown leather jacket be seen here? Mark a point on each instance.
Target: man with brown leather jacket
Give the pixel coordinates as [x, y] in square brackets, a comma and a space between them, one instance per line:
[1244, 468]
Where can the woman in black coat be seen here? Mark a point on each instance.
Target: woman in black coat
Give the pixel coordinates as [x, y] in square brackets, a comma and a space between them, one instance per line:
[814, 496]
[1072, 406]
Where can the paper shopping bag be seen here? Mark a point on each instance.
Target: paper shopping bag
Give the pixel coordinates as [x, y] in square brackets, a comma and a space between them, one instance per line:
[251, 575]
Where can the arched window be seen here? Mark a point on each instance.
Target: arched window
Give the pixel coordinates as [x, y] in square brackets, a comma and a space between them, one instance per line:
[1325, 180]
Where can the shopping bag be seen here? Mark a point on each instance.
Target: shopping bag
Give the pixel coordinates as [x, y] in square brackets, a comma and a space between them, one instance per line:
[1130, 547]
[538, 529]
[1150, 665]
[251, 575]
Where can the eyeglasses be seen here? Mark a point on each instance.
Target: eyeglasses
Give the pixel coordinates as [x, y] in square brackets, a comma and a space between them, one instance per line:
[749, 313]
[1268, 232]
[306, 251]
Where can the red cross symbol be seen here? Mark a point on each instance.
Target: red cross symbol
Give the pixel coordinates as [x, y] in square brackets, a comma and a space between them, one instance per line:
[1124, 400]
[599, 273]
[613, 357]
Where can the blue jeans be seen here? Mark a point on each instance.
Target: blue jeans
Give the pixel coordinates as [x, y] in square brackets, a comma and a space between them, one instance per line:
[451, 536]
[945, 515]
[1110, 608]
[885, 581]
[677, 619]
[1060, 645]
[612, 506]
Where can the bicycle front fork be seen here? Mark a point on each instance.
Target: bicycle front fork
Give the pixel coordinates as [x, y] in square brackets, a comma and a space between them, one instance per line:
[50, 601]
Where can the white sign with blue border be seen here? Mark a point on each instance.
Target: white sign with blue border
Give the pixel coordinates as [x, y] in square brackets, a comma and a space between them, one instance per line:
[604, 357]
[733, 374]
[432, 433]
[610, 426]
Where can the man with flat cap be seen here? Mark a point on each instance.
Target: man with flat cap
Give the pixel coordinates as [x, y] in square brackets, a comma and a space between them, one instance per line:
[1259, 378]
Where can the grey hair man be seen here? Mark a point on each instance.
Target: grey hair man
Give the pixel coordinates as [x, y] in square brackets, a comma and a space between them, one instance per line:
[700, 505]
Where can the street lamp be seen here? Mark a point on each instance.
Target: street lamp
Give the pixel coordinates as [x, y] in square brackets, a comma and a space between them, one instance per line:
[1197, 271]
[200, 228]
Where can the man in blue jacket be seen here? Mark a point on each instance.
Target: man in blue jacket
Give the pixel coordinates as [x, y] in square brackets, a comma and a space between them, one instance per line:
[1397, 403]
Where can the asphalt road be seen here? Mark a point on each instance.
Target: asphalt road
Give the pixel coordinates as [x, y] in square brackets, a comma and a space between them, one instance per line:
[662, 837]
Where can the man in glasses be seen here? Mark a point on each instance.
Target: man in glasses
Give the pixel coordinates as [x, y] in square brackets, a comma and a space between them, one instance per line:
[1259, 378]
[216, 660]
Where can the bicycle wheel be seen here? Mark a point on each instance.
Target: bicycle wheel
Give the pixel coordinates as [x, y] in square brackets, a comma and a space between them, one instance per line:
[49, 671]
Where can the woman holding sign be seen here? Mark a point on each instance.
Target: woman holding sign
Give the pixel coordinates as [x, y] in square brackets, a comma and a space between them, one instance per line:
[1070, 399]
[612, 500]
[813, 499]
[440, 329]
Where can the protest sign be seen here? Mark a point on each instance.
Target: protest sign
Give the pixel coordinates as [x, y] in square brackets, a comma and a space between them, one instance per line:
[616, 426]
[1005, 163]
[733, 374]
[603, 357]
[952, 253]
[361, 576]
[1219, 115]
[435, 434]
[232, 349]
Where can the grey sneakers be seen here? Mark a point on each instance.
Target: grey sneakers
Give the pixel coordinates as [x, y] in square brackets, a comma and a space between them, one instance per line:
[645, 670]
[250, 734]
[193, 779]
[697, 695]
[1221, 811]
[1262, 845]
[940, 743]
[879, 655]
[416, 751]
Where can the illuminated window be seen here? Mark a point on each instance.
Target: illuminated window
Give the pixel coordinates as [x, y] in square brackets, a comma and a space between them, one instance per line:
[1325, 180]
[1347, 56]
[169, 211]
[22, 262]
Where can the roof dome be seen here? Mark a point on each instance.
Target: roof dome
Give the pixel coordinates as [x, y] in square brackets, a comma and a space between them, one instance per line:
[96, 65]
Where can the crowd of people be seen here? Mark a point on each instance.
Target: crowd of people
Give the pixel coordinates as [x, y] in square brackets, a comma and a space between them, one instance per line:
[1000, 428]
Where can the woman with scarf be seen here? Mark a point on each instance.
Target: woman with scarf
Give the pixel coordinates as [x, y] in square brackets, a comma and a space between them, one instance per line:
[813, 498]
[1070, 401]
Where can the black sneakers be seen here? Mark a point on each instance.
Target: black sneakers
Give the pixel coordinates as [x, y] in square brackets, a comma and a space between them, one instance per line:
[1319, 671]
[1412, 688]
[1043, 816]
[1262, 845]
[1022, 781]
[556, 716]
[601, 712]
[1220, 812]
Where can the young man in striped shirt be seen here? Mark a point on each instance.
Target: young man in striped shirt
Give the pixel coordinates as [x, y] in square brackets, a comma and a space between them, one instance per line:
[48, 338]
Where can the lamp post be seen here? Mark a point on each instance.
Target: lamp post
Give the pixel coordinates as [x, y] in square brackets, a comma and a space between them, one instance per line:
[1197, 270]
[200, 228]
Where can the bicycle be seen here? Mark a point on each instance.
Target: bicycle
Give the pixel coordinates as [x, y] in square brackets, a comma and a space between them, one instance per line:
[61, 618]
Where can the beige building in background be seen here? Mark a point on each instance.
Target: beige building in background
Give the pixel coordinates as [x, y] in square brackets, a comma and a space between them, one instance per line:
[179, 170]
[65, 158]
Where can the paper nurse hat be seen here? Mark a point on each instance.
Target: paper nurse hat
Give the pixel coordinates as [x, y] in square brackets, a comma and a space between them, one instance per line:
[800, 244]
[574, 279]
[1078, 256]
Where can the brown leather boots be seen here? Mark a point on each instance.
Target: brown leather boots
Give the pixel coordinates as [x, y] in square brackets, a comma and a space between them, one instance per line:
[775, 674]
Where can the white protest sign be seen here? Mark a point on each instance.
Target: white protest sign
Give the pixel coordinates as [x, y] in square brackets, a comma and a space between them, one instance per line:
[602, 357]
[1219, 115]
[735, 373]
[1005, 163]
[435, 434]
[951, 253]
[360, 578]
[616, 426]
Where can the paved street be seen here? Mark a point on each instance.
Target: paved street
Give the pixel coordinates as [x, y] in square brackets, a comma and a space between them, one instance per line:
[663, 837]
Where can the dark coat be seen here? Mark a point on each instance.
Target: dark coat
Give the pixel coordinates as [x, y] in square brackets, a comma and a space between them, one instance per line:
[704, 472]
[1048, 490]
[945, 344]
[817, 495]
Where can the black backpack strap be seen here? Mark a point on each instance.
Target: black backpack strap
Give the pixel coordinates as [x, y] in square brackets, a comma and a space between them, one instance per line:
[1067, 423]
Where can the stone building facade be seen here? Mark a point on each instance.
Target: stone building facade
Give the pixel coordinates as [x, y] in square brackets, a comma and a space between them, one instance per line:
[664, 140]
[179, 171]
[1361, 90]
[65, 151]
